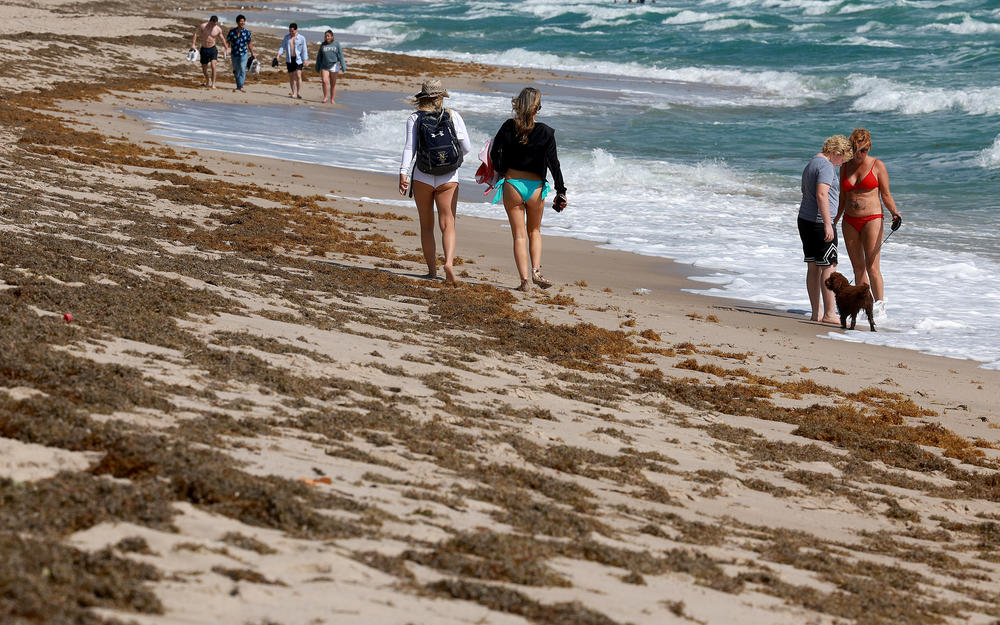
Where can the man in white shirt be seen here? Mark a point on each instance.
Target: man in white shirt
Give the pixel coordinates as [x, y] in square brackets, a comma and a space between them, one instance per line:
[293, 48]
[208, 32]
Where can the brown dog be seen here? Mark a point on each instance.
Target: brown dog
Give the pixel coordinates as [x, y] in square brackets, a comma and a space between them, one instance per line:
[851, 300]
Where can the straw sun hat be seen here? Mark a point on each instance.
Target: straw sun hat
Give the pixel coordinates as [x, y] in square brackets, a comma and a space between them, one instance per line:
[431, 89]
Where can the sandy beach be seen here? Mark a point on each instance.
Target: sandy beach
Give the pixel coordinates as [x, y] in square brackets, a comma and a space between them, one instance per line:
[226, 396]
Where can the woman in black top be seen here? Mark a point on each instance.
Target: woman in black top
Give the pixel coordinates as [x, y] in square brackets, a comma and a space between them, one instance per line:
[522, 150]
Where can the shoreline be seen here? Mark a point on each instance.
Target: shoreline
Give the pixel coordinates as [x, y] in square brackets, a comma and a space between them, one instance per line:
[468, 193]
[225, 397]
[484, 240]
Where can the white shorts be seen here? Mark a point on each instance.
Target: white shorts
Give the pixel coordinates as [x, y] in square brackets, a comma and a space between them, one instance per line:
[434, 181]
[335, 69]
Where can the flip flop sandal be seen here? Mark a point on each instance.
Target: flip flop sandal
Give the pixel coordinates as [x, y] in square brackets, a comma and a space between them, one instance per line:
[539, 279]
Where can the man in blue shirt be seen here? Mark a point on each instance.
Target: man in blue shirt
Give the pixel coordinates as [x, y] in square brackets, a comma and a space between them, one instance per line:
[293, 47]
[240, 46]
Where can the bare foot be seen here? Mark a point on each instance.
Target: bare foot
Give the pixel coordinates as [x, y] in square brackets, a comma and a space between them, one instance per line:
[298, 97]
[323, 101]
[832, 320]
[430, 275]
[449, 274]
[525, 286]
[243, 90]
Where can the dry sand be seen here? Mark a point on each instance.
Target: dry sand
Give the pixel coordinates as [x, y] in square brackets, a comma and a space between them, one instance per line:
[259, 415]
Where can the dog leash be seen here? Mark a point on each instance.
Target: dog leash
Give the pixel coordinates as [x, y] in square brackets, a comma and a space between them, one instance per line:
[895, 226]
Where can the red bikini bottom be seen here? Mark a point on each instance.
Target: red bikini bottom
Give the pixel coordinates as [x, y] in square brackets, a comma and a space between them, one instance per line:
[859, 222]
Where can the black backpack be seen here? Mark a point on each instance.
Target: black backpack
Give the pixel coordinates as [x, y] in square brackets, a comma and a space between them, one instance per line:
[438, 149]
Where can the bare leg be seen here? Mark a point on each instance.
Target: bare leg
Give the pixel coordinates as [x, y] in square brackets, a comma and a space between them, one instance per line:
[333, 86]
[325, 76]
[298, 83]
[516, 215]
[446, 197]
[423, 196]
[871, 237]
[291, 84]
[213, 74]
[821, 299]
[535, 206]
[813, 288]
[829, 298]
[204, 72]
[856, 252]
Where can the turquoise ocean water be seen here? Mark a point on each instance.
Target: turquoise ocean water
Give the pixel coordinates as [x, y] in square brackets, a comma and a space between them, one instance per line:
[688, 132]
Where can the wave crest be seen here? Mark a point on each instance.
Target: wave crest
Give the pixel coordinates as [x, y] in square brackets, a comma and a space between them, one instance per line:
[876, 94]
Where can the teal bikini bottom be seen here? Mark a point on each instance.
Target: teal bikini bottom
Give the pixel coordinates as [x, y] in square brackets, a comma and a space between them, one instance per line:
[524, 187]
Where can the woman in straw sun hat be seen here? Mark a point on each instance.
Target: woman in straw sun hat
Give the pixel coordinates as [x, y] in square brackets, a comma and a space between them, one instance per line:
[436, 141]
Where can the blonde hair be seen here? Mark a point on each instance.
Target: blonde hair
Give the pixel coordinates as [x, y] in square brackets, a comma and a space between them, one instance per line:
[525, 106]
[435, 103]
[838, 144]
[861, 138]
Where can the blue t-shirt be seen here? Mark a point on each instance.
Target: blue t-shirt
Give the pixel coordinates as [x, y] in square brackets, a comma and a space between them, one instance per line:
[819, 170]
[238, 41]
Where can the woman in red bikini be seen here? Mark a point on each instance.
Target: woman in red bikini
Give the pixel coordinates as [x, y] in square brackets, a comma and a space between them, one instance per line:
[864, 186]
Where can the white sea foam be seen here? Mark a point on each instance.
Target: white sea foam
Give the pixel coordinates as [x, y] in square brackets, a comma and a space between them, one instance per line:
[556, 30]
[849, 8]
[989, 158]
[690, 17]
[968, 26]
[807, 7]
[881, 94]
[864, 41]
[869, 26]
[726, 24]
[381, 32]
[773, 88]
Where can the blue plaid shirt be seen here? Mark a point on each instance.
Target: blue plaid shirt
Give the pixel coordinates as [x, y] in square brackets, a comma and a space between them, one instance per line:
[238, 40]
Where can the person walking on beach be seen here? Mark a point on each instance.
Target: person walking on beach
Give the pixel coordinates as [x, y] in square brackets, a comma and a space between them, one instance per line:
[240, 42]
[817, 229]
[240, 47]
[329, 64]
[522, 150]
[293, 48]
[865, 188]
[208, 32]
[436, 142]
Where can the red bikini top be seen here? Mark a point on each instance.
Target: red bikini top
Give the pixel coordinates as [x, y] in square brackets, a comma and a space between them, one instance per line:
[868, 182]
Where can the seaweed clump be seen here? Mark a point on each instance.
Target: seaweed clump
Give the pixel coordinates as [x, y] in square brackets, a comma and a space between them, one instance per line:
[45, 582]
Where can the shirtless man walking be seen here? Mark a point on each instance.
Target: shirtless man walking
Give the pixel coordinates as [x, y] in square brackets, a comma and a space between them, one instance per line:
[208, 32]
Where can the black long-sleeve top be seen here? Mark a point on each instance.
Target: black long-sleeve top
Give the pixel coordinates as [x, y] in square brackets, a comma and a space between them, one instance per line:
[535, 156]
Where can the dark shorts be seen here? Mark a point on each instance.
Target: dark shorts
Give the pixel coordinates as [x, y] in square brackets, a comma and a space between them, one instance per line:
[208, 55]
[293, 66]
[814, 248]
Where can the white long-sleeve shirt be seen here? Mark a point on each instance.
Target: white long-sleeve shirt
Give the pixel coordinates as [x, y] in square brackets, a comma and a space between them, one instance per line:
[298, 46]
[406, 162]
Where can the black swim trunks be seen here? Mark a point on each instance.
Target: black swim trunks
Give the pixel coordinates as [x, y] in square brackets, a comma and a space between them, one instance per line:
[814, 248]
[293, 66]
[208, 55]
